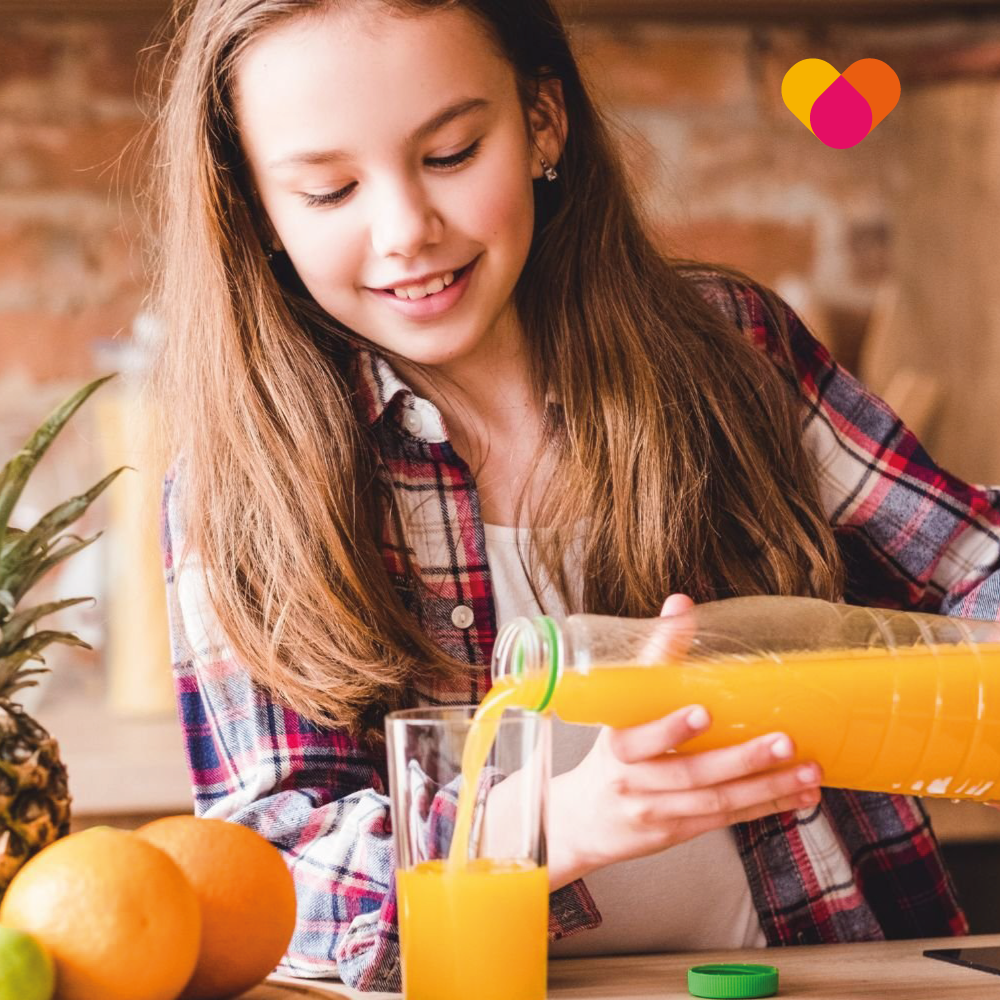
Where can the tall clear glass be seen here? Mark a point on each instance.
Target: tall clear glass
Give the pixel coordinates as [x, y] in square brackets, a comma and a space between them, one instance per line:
[472, 906]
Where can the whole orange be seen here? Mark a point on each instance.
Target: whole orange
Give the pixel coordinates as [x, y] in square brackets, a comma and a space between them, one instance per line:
[247, 900]
[117, 915]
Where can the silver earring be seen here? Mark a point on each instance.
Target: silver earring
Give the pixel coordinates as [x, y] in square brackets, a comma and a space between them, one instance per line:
[549, 172]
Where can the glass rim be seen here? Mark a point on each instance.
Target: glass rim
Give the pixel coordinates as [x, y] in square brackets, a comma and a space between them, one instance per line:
[457, 715]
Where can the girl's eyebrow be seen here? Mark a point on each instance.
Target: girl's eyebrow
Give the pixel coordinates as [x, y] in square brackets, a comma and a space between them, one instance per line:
[442, 118]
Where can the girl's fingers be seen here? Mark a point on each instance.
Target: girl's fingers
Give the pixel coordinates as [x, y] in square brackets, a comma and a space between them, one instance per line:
[678, 771]
[790, 803]
[694, 826]
[640, 743]
[672, 638]
[735, 798]
[675, 604]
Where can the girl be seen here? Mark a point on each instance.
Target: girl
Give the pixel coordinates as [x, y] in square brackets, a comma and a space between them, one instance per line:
[425, 370]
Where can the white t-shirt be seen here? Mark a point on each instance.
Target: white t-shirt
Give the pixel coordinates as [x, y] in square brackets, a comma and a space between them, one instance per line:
[693, 896]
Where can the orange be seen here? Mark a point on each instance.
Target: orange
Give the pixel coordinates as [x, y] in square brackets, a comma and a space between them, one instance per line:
[247, 900]
[117, 915]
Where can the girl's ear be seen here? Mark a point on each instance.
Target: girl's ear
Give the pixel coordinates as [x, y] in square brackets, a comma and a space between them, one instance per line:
[547, 120]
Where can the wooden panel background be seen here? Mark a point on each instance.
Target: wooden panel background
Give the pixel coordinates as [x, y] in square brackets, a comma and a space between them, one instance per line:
[945, 327]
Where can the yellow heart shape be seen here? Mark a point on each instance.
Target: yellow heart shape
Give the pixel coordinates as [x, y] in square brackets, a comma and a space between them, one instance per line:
[803, 83]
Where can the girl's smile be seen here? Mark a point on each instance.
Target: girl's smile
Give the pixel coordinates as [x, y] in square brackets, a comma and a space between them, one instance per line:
[429, 298]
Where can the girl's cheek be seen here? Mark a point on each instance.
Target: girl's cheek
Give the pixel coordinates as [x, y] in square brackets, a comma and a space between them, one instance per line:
[508, 208]
[327, 252]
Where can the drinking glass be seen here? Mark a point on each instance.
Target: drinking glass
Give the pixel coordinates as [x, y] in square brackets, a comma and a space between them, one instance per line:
[471, 883]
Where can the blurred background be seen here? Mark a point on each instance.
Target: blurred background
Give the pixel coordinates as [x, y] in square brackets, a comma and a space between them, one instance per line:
[890, 251]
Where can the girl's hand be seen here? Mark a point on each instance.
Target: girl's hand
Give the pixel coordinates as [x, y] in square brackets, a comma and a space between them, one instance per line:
[632, 795]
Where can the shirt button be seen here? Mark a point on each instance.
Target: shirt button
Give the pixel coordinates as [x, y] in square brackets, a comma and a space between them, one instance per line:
[462, 617]
[412, 422]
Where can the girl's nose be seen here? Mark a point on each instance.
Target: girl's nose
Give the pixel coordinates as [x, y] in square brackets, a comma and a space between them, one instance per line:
[405, 222]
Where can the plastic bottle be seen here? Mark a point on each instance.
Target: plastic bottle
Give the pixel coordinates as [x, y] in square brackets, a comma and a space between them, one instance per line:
[884, 700]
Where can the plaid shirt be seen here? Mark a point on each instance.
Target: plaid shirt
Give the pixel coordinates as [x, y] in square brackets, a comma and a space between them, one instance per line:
[859, 866]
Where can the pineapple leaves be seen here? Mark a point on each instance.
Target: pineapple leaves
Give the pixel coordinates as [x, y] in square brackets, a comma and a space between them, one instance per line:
[16, 472]
[17, 625]
[11, 665]
[15, 552]
[35, 567]
[9, 541]
[26, 555]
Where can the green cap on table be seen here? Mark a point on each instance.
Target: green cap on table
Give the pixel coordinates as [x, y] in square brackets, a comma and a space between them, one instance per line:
[731, 981]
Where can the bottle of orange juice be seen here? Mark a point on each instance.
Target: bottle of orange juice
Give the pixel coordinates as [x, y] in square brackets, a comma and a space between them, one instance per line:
[885, 701]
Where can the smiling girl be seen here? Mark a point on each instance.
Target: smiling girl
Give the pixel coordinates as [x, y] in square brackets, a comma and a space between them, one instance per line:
[425, 371]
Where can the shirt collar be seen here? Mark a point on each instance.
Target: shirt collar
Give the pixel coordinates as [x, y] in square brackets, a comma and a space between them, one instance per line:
[381, 394]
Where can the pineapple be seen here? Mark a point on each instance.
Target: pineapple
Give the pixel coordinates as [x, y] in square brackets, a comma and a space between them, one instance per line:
[34, 797]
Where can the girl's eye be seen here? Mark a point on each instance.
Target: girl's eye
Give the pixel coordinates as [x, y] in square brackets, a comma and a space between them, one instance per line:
[328, 197]
[438, 162]
[447, 162]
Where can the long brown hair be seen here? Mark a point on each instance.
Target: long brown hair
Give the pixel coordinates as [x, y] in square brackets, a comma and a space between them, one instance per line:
[679, 445]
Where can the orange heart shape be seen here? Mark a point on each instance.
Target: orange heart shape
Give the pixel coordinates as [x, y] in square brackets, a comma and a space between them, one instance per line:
[877, 83]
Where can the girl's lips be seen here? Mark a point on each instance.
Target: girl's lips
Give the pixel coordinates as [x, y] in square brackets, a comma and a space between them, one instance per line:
[430, 306]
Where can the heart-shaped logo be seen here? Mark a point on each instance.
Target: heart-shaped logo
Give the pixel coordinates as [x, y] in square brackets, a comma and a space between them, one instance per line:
[840, 109]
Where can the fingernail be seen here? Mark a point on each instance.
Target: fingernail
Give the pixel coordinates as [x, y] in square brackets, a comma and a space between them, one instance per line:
[782, 748]
[697, 718]
[806, 774]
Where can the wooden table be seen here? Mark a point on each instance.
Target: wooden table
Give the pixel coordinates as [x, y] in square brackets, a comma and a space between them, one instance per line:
[882, 970]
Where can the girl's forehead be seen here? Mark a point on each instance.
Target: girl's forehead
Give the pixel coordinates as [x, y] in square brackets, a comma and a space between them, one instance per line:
[360, 69]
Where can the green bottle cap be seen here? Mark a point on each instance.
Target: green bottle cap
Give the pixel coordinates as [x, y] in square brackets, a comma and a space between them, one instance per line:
[548, 626]
[732, 981]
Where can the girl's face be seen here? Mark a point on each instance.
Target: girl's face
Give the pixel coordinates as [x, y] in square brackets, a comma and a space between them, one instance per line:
[393, 159]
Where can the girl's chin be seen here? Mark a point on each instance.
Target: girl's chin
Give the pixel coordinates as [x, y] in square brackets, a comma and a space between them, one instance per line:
[433, 356]
[437, 346]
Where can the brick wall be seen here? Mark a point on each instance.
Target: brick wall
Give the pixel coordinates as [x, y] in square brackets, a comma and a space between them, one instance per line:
[728, 172]
[70, 269]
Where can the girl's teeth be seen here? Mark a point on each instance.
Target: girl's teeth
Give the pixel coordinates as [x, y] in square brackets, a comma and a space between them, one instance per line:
[432, 287]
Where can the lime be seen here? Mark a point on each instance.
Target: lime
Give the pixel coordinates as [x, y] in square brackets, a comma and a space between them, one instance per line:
[26, 969]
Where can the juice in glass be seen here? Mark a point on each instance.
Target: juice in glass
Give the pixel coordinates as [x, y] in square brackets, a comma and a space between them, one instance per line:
[479, 930]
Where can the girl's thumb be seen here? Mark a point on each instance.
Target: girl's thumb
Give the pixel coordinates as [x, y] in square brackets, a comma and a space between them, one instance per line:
[676, 604]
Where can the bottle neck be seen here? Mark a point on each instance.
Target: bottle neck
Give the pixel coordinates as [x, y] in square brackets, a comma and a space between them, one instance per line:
[530, 648]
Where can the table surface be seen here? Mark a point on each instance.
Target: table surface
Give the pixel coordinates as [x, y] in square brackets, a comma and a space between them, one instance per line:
[877, 970]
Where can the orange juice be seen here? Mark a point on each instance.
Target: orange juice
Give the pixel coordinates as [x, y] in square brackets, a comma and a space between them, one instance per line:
[922, 721]
[477, 932]
[474, 754]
